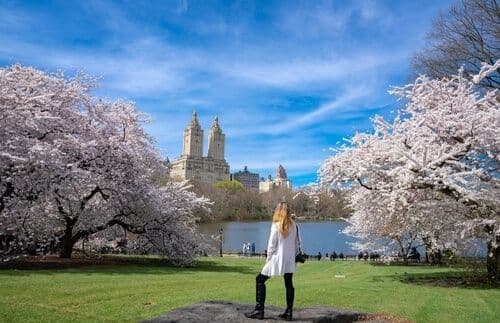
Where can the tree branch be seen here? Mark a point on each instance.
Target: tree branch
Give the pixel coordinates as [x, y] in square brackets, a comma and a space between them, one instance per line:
[87, 198]
[364, 185]
[115, 221]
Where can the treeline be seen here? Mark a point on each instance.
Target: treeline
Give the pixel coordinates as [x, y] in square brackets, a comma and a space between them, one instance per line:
[232, 202]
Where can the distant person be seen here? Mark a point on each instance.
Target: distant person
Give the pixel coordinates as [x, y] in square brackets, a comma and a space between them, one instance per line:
[414, 254]
[253, 248]
[341, 255]
[319, 255]
[374, 256]
[334, 256]
[439, 256]
[360, 255]
[283, 246]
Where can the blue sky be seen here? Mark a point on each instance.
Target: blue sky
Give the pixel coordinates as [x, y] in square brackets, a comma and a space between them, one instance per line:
[288, 79]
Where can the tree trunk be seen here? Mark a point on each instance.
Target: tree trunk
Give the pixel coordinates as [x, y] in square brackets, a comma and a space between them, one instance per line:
[67, 241]
[66, 247]
[493, 260]
[404, 253]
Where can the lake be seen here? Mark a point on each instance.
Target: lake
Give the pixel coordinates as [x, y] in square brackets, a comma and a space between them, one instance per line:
[323, 236]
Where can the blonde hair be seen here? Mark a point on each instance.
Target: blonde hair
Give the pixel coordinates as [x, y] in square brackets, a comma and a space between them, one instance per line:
[283, 218]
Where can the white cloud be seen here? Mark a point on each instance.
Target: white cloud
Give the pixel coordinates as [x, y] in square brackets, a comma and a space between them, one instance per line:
[286, 73]
[12, 20]
[344, 101]
[182, 7]
[330, 19]
[140, 68]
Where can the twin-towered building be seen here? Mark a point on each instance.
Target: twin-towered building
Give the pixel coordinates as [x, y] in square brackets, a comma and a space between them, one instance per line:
[192, 165]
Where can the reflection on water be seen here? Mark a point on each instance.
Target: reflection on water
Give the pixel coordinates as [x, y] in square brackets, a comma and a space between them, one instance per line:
[323, 236]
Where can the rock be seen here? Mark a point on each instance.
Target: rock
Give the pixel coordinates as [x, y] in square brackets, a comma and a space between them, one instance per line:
[221, 311]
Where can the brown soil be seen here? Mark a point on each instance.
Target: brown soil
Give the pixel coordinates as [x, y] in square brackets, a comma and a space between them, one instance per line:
[54, 262]
[467, 281]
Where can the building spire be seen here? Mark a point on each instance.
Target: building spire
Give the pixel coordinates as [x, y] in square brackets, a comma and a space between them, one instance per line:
[216, 141]
[216, 125]
[194, 119]
[281, 172]
[193, 138]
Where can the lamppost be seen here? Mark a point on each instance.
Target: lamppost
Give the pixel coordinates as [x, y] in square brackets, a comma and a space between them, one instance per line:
[221, 230]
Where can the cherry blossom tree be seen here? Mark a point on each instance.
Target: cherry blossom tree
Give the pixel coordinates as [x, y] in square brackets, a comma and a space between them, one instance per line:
[446, 140]
[388, 221]
[73, 165]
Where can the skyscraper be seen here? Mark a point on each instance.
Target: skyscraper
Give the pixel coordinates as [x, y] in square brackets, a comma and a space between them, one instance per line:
[192, 165]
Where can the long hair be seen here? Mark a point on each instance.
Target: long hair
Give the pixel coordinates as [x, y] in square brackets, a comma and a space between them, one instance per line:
[283, 218]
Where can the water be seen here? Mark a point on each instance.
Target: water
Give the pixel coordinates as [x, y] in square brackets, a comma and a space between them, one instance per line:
[323, 236]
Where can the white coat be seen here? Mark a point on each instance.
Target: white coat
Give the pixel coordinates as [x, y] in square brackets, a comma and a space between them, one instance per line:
[281, 252]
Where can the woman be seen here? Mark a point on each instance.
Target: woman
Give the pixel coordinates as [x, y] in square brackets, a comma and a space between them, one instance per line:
[282, 248]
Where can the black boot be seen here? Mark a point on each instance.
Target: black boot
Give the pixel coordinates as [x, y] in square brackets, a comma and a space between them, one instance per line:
[290, 295]
[260, 296]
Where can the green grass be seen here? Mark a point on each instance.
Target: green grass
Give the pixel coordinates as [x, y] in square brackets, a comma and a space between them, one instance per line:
[135, 292]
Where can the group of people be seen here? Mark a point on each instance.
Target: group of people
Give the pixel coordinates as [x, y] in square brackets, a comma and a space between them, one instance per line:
[366, 256]
[373, 256]
[334, 256]
[248, 248]
[414, 254]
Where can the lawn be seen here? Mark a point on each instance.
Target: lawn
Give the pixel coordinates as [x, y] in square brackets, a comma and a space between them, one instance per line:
[133, 292]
